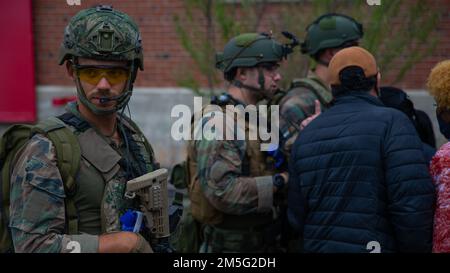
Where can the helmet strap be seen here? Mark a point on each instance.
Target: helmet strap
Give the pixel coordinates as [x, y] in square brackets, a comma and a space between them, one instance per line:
[239, 84]
[261, 82]
[319, 61]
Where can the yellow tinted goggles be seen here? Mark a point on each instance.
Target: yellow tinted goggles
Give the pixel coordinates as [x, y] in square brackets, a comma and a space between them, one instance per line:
[93, 74]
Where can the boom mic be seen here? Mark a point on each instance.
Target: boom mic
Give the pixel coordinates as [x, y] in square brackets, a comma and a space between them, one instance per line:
[107, 99]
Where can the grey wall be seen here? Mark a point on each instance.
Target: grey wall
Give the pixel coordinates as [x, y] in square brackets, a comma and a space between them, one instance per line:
[151, 109]
[423, 101]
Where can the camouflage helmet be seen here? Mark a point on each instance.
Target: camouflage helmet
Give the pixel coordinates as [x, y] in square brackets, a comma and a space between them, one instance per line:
[102, 33]
[331, 30]
[248, 50]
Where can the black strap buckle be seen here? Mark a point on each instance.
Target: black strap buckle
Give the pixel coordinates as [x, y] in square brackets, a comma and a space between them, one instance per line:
[104, 8]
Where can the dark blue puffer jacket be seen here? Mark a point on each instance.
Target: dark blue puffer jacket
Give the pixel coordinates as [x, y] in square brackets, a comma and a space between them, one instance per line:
[357, 175]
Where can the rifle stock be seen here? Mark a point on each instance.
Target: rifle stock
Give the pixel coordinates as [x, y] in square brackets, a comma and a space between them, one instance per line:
[151, 189]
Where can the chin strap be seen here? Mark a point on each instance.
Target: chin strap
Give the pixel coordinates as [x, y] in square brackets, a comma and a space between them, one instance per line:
[323, 63]
[261, 81]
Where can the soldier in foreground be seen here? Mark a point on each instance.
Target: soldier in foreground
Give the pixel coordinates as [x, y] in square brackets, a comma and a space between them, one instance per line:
[54, 208]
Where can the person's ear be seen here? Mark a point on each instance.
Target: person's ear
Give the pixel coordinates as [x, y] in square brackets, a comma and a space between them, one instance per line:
[69, 69]
[329, 53]
[241, 74]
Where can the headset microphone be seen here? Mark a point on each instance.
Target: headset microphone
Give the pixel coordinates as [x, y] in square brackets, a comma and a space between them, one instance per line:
[103, 100]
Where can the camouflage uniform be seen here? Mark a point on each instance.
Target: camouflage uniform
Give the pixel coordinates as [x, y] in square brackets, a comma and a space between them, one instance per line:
[37, 210]
[298, 104]
[328, 31]
[237, 184]
[44, 216]
[232, 182]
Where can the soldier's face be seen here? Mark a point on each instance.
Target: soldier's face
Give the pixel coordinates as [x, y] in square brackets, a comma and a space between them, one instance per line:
[271, 75]
[272, 78]
[101, 79]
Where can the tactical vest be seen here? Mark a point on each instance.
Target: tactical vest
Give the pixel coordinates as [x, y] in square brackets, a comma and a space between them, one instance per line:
[315, 86]
[99, 164]
[297, 104]
[254, 164]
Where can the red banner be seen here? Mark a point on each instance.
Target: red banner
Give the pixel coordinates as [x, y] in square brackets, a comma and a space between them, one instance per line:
[17, 83]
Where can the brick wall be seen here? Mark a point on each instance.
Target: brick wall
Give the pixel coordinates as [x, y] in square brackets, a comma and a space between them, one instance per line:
[416, 77]
[163, 53]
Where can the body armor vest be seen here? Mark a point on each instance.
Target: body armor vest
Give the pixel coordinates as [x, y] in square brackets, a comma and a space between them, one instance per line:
[254, 164]
[100, 163]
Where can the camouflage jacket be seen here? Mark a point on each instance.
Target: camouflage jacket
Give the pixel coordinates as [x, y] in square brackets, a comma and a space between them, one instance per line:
[296, 105]
[232, 173]
[37, 209]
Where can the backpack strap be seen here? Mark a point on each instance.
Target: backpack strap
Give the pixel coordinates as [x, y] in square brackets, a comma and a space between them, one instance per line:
[148, 147]
[74, 121]
[275, 100]
[319, 90]
[68, 154]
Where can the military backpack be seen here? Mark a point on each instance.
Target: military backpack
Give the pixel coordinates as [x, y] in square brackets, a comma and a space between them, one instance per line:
[68, 156]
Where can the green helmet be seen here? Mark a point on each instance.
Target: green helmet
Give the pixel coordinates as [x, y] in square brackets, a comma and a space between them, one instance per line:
[331, 30]
[250, 49]
[103, 33]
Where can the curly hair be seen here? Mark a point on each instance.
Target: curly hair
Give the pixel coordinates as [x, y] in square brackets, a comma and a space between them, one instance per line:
[439, 84]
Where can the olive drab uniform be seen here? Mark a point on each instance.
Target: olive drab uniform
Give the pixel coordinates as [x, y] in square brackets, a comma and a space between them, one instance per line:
[231, 191]
[39, 202]
[297, 104]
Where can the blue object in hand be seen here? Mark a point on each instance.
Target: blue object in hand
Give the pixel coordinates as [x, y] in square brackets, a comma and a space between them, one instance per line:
[277, 156]
[131, 221]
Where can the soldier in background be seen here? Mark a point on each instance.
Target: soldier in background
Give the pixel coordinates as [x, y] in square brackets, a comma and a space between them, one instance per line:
[307, 97]
[326, 36]
[102, 52]
[231, 186]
